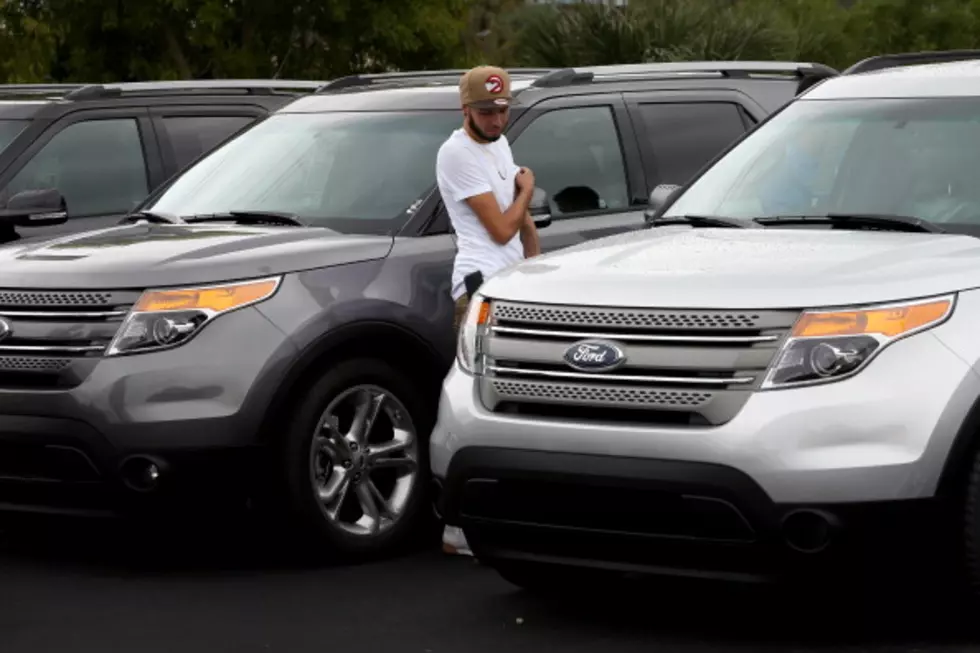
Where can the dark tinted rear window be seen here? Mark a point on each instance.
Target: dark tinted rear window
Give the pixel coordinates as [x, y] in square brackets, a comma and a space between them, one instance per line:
[192, 136]
[686, 135]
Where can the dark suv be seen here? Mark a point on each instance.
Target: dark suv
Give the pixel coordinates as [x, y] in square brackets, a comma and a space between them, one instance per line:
[103, 148]
[281, 311]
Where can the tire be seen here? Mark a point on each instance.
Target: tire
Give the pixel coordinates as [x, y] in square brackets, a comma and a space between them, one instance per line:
[336, 537]
[971, 532]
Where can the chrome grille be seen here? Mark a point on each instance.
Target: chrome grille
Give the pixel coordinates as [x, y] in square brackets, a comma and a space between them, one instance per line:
[49, 331]
[702, 364]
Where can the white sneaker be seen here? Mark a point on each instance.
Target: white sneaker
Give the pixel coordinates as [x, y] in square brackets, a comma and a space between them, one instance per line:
[454, 542]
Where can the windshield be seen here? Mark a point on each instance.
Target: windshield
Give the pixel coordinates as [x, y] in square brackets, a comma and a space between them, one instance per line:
[353, 172]
[911, 157]
[9, 129]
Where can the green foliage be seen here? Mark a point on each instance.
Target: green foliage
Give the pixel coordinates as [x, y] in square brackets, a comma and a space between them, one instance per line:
[829, 31]
[110, 40]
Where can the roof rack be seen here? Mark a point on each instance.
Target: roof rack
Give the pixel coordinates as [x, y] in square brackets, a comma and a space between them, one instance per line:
[416, 76]
[897, 60]
[38, 89]
[591, 75]
[252, 86]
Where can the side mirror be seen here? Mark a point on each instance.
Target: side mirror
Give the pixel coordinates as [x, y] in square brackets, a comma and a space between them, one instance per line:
[539, 208]
[659, 198]
[35, 208]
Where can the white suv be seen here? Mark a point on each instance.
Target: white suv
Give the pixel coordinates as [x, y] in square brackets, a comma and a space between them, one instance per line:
[780, 369]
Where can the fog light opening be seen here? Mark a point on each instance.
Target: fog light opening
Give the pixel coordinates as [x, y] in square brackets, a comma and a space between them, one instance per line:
[809, 531]
[142, 473]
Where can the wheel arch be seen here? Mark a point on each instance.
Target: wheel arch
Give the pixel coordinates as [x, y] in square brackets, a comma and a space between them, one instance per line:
[393, 343]
[959, 459]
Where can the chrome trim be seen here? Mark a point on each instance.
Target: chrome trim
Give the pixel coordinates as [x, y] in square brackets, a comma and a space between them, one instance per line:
[631, 336]
[48, 314]
[687, 380]
[53, 348]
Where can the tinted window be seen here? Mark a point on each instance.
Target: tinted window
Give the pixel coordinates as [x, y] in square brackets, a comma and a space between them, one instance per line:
[576, 157]
[97, 165]
[685, 136]
[191, 136]
[354, 172]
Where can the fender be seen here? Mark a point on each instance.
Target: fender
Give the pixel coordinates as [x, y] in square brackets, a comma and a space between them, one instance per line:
[347, 340]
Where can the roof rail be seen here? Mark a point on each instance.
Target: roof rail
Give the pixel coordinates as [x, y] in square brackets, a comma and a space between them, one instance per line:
[897, 60]
[253, 86]
[416, 76]
[38, 89]
[590, 75]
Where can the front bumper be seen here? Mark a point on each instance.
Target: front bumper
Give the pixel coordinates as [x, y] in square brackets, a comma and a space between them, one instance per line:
[861, 457]
[195, 411]
[881, 435]
[667, 518]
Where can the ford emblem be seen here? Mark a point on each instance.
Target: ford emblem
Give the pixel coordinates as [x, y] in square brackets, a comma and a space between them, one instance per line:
[4, 329]
[594, 356]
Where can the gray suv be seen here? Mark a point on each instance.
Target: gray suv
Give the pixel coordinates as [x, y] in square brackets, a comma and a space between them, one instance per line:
[276, 321]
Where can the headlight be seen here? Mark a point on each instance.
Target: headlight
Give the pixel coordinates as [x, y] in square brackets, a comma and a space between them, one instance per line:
[475, 324]
[827, 346]
[162, 319]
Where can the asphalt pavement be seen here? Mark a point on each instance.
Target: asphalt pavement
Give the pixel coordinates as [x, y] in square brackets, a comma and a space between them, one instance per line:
[234, 592]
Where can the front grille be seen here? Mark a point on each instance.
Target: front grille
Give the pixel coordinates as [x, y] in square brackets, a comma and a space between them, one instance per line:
[596, 394]
[41, 365]
[694, 367]
[45, 334]
[20, 298]
[612, 317]
[45, 463]
[594, 506]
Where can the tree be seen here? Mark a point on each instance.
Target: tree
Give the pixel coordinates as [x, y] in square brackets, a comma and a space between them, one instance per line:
[100, 40]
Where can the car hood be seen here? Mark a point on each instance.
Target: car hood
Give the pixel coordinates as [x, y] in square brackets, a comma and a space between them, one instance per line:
[140, 256]
[681, 267]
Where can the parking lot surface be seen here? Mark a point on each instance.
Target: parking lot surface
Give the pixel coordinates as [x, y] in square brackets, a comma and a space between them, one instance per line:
[232, 591]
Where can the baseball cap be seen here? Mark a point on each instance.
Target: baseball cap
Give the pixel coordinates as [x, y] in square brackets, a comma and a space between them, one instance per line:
[485, 87]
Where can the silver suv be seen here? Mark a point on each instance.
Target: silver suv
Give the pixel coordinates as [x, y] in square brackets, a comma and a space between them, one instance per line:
[778, 374]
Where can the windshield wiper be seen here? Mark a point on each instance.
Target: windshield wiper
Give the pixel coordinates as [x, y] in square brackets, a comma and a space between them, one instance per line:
[883, 221]
[151, 216]
[703, 221]
[248, 217]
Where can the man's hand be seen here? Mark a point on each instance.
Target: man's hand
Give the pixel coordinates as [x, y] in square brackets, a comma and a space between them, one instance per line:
[525, 180]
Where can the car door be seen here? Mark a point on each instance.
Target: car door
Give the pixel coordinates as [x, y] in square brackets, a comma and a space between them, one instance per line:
[103, 162]
[681, 132]
[583, 152]
[185, 133]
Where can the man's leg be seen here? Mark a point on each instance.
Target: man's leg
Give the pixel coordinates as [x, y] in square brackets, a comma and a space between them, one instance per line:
[453, 540]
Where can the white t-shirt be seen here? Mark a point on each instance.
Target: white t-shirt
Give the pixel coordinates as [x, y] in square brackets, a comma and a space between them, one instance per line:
[465, 168]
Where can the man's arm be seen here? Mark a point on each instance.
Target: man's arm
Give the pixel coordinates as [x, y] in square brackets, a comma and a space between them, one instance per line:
[464, 178]
[502, 226]
[529, 237]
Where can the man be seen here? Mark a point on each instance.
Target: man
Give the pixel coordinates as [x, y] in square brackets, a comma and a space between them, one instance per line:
[487, 196]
